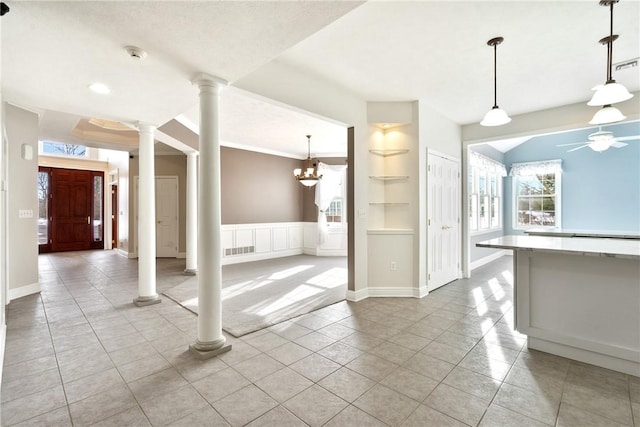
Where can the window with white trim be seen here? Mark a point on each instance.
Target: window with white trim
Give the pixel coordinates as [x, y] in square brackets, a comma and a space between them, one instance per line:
[537, 189]
[485, 193]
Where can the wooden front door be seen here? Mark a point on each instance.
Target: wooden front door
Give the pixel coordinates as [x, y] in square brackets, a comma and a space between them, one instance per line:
[75, 224]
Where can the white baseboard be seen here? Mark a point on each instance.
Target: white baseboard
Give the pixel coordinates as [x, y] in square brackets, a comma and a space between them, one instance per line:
[359, 295]
[23, 291]
[3, 338]
[238, 259]
[126, 254]
[387, 292]
[489, 258]
[324, 252]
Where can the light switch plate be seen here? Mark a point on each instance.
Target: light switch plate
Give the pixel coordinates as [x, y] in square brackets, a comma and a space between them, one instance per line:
[25, 213]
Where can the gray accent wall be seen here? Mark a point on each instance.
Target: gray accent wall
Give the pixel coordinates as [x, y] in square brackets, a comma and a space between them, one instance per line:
[271, 194]
[259, 188]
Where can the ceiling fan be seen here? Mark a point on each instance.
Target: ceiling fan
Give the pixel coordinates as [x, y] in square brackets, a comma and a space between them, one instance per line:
[601, 141]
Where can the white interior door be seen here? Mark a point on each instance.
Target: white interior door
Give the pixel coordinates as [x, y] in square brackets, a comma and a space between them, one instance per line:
[167, 217]
[443, 222]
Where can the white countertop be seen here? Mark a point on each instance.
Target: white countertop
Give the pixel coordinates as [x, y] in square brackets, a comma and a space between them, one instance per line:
[617, 248]
[568, 232]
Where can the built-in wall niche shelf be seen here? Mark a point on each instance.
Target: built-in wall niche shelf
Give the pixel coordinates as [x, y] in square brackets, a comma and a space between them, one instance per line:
[389, 177]
[391, 231]
[389, 203]
[385, 153]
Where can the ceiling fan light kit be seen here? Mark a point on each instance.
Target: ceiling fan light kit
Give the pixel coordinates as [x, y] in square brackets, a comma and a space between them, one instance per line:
[495, 116]
[611, 92]
[309, 176]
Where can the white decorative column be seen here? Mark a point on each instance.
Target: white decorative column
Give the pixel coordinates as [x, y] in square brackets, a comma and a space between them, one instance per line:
[210, 341]
[146, 219]
[192, 214]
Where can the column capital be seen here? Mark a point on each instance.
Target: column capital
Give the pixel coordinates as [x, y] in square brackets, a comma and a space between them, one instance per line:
[145, 127]
[204, 79]
[192, 153]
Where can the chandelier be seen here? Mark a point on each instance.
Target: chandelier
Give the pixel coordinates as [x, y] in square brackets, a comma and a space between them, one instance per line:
[309, 177]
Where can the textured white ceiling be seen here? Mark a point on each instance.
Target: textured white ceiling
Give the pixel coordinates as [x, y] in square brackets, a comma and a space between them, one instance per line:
[248, 121]
[434, 51]
[52, 51]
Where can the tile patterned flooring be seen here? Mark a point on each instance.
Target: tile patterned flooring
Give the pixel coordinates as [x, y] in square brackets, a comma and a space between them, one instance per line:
[81, 354]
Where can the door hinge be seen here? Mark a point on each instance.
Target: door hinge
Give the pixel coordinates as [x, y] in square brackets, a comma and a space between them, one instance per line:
[458, 174]
[428, 222]
[428, 168]
[428, 276]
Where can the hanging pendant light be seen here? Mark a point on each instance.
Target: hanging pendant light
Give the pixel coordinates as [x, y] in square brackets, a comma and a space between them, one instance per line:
[607, 114]
[495, 116]
[611, 92]
[309, 177]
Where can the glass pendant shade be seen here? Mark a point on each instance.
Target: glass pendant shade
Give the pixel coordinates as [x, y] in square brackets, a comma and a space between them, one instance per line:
[607, 114]
[610, 93]
[495, 117]
[308, 182]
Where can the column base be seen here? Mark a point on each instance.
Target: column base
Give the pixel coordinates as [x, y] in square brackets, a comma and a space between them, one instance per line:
[208, 350]
[190, 271]
[143, 301]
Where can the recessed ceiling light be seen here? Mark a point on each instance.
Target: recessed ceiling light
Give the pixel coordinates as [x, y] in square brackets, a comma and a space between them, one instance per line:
[100, 88]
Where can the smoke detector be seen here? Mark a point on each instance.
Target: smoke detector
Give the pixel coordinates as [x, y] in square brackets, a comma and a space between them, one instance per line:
[135, 52]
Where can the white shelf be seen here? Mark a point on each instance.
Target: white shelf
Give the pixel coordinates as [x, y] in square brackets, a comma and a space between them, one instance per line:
[385, 153]
[389, 204]
[389, 177]
[390, 231]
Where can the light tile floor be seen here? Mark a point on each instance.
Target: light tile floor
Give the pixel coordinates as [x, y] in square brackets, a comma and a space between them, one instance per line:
[81, 354]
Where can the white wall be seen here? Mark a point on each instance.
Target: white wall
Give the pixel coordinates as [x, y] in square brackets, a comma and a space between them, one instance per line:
[438, 133]
[3, 238]
[22, 248]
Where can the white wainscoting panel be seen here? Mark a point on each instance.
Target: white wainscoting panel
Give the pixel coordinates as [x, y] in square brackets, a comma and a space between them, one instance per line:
[280, 239]
[244, 237]
[254, 242]
[227, 239]
[263, 240]
[296, 236]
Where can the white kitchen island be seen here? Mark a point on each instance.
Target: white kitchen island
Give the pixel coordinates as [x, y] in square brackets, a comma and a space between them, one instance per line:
[578, 297]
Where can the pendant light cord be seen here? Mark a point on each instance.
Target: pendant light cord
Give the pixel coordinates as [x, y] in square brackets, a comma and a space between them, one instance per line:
[495, 76]
[610, 45]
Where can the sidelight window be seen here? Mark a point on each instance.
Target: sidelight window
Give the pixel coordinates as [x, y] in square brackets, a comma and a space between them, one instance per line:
[44, 182]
